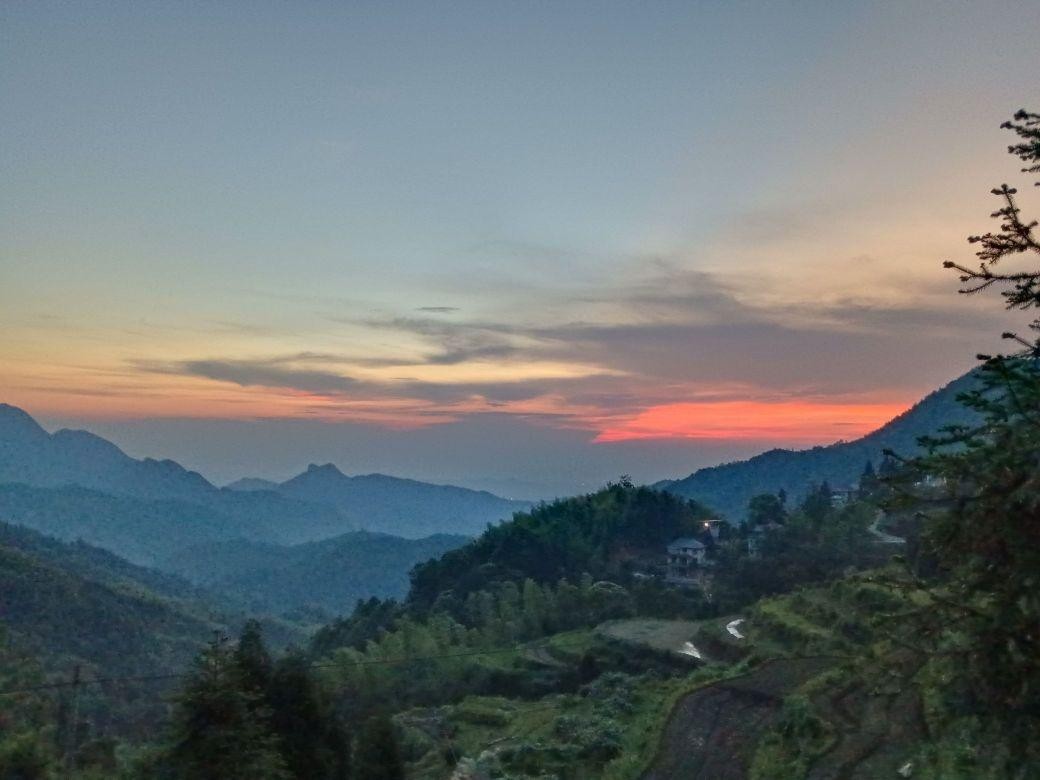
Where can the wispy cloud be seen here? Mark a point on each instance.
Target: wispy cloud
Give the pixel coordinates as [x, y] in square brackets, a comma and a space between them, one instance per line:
[255, 373]
[621, 359]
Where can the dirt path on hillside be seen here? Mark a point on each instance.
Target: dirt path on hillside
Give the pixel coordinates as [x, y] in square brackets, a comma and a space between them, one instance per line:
[541, 654]
[880, 535]
[712, 732]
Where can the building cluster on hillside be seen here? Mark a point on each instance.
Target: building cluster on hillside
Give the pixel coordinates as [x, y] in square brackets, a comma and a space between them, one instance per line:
[687, 557]
[688, 560]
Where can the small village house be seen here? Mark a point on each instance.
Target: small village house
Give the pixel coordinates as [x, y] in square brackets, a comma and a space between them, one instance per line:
[685, 557]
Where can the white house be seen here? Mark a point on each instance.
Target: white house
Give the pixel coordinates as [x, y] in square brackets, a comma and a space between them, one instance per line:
[684, 557]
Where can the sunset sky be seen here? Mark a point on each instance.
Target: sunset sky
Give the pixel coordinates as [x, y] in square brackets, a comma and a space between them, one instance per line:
[523, 246]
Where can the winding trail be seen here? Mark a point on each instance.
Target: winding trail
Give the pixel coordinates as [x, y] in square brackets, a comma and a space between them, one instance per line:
[880, 535]
[733, 627]
[541, 654]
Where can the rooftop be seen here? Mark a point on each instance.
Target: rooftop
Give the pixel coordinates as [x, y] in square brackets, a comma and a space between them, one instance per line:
[686, 543]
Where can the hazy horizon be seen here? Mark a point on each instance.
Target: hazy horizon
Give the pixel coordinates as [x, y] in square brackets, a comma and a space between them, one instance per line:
[481, 453]
[455, 244]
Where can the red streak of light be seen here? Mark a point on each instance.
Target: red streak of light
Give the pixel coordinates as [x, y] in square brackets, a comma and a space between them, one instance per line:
[803, 421]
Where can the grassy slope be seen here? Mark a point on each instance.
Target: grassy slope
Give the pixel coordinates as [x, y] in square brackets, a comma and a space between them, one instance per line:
[863, 717]
[607, 729]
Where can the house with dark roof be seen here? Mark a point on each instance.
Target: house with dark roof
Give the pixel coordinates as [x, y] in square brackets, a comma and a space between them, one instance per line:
[685, 557]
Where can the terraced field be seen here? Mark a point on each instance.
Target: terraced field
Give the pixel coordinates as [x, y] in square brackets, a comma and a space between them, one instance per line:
[670, 636]
[713, 731]
[707, 641]
[869, 713]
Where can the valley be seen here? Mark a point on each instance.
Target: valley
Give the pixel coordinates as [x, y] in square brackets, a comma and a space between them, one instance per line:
[554, 641]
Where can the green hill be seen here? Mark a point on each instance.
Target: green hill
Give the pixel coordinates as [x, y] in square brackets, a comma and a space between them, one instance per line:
[595, 533]
[70, 602]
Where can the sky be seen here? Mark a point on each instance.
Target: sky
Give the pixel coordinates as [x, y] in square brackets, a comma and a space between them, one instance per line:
[520, 246]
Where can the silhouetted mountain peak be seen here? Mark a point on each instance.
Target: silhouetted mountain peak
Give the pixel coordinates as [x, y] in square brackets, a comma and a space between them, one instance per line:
[403, 507]
[85, 442]
[324, 470]
[17, 423]
[31, 456]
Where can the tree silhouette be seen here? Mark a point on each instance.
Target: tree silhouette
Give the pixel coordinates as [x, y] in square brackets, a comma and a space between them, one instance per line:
[376, 753]
[987, 596]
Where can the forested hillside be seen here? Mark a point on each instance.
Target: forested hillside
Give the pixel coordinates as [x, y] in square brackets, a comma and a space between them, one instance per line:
[242, 568]
[329, 576]
[140, 530]
[728, 488]
[95, 563]
[66, 603]
[594, 534]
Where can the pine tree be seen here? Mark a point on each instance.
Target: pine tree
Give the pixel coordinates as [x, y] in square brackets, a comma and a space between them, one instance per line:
[817, 504]
[252, 657]
[987, 602]
[221, 725]
[313, 739]
[766, 509]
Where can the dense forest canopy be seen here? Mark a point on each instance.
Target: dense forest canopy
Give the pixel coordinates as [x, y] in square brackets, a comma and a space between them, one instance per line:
[593, 533]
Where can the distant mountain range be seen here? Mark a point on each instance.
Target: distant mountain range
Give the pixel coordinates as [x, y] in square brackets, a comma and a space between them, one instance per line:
[403, 507]
[30, 455]
[320, 503]
[297, 544]
[728, 488]
[257, 545]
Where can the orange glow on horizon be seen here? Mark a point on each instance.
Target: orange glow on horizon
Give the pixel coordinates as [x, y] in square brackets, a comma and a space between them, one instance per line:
[794, 421]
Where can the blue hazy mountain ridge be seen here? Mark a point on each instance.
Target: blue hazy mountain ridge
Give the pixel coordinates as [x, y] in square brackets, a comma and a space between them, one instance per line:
[728, 488]
[274, 549]
[252, 483]
[330, 575]
[320, 503]
[181, 550]
[403, 507]
[142, 531]
[30, 455]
